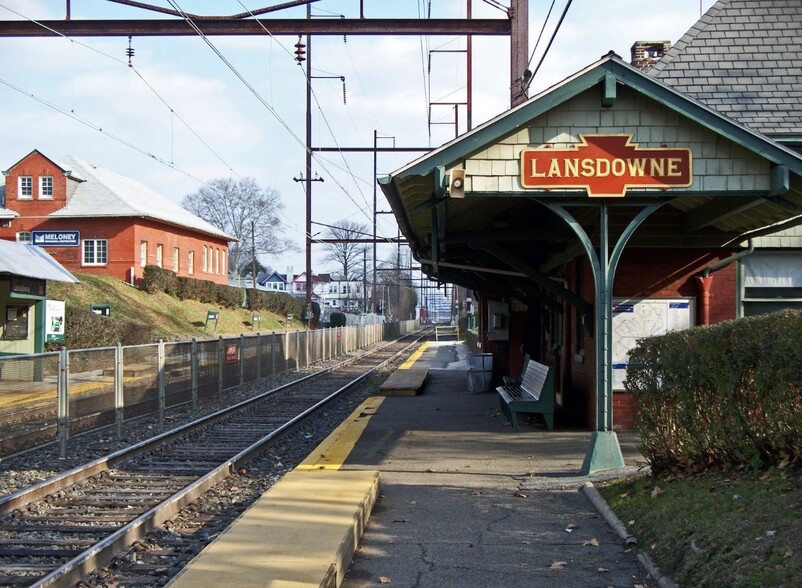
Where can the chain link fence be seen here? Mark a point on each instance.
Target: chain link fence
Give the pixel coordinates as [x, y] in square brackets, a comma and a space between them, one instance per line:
[47, 397]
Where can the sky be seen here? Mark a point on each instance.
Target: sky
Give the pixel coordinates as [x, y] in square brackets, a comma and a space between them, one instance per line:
[187, 111]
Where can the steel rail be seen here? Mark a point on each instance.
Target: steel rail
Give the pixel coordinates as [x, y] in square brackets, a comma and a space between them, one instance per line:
[103, 551]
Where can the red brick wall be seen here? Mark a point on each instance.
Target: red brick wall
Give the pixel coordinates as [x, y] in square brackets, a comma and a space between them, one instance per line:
[124, 234]
[662, 273]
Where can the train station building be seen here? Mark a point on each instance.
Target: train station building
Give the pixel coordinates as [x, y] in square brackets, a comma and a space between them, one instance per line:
[610, 207]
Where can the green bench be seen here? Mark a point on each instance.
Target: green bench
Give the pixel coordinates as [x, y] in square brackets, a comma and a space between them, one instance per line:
[534, 395]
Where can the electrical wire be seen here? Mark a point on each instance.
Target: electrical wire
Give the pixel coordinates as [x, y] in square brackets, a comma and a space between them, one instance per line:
[95, 127]
[314, 156]
[138, 74]
[528, 83]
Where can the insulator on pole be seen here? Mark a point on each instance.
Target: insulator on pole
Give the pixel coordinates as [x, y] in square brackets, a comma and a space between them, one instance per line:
[300, 51]
[129, 52]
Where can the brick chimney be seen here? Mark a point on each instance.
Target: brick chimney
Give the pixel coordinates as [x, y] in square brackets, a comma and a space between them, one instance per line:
[646, 53]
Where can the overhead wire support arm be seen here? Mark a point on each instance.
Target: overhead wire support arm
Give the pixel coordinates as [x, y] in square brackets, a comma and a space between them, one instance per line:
[233, 27]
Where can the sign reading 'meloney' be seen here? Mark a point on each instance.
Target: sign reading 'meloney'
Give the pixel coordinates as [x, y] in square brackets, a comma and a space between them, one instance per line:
[56, 238]
[606, 165]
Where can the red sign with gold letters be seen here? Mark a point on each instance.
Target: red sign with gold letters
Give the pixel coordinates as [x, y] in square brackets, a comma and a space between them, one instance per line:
[606, 165]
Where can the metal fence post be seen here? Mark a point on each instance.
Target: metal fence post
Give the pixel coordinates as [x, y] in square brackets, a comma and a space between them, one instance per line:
[241, 361]
[162, 394]
[220, 365]
[193, 370]
[297, 351]
[258, 356]
[119, 398]
[63, 402]
[273, 352]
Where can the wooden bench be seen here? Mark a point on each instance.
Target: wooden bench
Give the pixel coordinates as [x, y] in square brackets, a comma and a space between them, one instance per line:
[534, 394]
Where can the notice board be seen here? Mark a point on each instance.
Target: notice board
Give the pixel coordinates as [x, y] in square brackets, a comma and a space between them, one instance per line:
[635, 318]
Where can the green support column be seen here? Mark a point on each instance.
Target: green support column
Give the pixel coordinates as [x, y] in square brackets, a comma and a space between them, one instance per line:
[604, 452]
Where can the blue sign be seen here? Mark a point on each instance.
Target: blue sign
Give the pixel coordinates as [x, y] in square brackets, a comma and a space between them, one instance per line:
[56, 238]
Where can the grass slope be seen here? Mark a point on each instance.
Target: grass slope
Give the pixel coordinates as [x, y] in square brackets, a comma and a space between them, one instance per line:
[717, 529]
[173, 319]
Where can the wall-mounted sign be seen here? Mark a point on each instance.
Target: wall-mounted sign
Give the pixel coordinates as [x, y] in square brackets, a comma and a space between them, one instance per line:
[27, 287]
[606, 165]
[56, 238]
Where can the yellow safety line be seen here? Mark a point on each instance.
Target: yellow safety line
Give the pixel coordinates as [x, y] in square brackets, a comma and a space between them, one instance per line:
[334, 450]
[414, 357]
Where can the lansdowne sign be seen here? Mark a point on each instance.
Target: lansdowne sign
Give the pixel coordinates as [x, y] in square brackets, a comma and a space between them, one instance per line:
[606, 165]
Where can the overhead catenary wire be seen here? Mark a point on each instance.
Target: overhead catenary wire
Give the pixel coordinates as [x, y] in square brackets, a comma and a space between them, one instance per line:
[528, 82]
[147, 84]
[314, 156]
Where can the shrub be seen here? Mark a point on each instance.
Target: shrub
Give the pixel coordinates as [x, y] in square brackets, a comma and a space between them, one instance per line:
[228, 296]
[84, 329]
[728, 395]
[337, 319]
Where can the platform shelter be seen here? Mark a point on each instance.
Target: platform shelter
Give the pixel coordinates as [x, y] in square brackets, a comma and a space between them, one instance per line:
[608, 207]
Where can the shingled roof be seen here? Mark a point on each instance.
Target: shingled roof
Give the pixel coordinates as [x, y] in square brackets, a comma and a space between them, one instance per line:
[744, 59]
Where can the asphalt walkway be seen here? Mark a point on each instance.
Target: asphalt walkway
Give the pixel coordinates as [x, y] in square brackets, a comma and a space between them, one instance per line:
[465, 501]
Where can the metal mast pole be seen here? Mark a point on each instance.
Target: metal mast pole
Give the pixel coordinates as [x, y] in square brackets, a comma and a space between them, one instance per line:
[308, 180]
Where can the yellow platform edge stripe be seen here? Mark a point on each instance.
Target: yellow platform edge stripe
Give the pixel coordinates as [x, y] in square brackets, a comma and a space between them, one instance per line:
[414, 357]
[334, 450]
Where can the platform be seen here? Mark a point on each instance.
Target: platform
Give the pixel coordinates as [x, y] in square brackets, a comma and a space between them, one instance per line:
[464, 501]
[407, 382]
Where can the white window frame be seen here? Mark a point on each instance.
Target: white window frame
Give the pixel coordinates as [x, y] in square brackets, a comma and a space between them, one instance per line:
[46, 187]
[24, 237]
[191, 263]
[143, 253]
[25, 188]
[176, 257]
[205, 260]
[159, 254]
[99, 258]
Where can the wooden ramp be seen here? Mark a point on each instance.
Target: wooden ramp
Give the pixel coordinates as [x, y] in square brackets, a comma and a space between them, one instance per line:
[404, 382]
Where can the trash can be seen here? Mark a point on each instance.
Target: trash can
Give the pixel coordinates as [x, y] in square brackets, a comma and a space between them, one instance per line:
[480, 372]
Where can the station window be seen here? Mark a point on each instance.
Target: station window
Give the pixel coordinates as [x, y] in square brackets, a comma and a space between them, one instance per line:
[46, 187]
[24, 237]
[176, 254]
[25, 188]
[159, 254]
[143, 253]
[95, 252]
[191, 263]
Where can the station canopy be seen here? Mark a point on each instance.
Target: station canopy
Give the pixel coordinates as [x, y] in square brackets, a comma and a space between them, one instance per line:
[502, 205]
[29, 261]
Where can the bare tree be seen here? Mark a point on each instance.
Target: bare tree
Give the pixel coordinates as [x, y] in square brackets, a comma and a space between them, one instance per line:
[246, 211]
[346, 254]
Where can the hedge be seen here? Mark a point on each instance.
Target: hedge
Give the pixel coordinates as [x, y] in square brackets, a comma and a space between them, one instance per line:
[727, 395]
[157, 279]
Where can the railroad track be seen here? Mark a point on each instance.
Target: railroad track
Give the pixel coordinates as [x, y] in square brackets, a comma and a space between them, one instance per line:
[58, 531]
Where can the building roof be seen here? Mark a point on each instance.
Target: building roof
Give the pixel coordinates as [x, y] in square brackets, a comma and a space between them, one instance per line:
[31, 262]
[457, 239]
[744, 59]
[104, 193]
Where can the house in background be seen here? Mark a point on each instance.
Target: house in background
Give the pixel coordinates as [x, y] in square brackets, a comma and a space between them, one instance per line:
[94, 220]
[276, 282]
